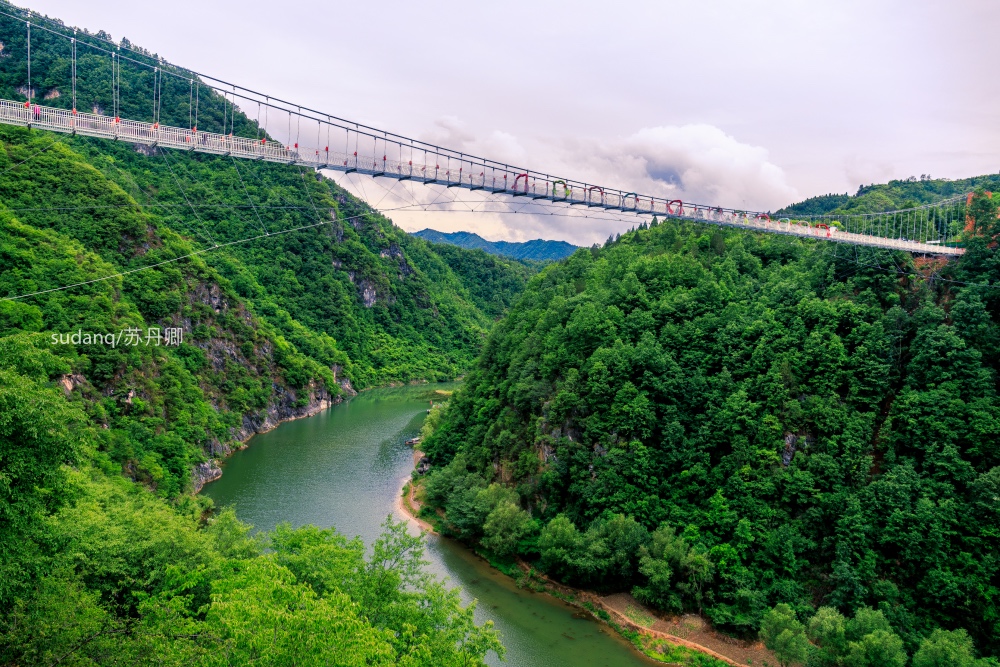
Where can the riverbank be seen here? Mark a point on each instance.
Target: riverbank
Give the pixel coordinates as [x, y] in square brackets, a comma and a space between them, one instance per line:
[407, 505]
[669, 640]
[277, 412]
[280, 412]
[344, 468]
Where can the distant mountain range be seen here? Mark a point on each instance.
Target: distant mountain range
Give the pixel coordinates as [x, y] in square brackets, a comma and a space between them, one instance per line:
[537, 250]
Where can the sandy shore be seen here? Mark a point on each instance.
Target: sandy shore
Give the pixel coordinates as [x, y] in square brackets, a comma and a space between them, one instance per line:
[408, 506]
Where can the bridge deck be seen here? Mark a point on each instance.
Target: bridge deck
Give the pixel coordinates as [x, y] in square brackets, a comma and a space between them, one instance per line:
[132, 131]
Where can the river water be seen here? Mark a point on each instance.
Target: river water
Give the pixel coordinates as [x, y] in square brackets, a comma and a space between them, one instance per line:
[344, 468]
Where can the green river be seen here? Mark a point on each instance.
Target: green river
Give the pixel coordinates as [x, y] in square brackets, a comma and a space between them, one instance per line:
[344, 468]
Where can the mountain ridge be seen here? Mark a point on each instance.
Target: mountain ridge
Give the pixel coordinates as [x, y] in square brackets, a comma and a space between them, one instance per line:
[535, 250]
[896, 194]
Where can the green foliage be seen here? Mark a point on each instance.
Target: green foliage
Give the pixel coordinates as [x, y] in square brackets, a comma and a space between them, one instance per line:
[493, 283]
[983, 211]
[876, 649]
[866, 640]
[558, 545]
[674, 654]
[61, 617]
[432, 420]
[390, 590]
[505, 527]
[605, 555]
[792, 426]
[896, 194]
[675, 571]
[487, 514]
[120, 577]
[301, 626]
[105, 557]
[35, 443]
[827, 630]
[785, 635]
[945, 649]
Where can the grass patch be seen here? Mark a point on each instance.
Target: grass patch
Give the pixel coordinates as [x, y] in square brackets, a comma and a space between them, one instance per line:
[672, 654]
[567, 597]
[639, 616]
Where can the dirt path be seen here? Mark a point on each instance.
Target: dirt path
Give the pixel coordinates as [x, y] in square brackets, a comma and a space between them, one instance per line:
[688, 630]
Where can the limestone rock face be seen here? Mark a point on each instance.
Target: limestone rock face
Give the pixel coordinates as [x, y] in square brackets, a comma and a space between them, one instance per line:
[283, 408]
[203, 473]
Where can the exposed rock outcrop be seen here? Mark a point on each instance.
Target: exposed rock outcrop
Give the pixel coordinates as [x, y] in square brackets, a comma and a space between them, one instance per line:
[392, 251]
[345, 386]
[71, 382]
[203, 473]
[367, 292]
[283, 408]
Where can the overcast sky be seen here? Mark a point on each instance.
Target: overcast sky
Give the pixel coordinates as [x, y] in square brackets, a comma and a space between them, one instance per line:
[739, 103]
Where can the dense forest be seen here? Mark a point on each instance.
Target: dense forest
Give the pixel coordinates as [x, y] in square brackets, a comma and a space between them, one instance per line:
[891, 196]
[780, 434]
[106, 557]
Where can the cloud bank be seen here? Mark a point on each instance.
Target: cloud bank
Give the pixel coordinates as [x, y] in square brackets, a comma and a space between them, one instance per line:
[697, 163]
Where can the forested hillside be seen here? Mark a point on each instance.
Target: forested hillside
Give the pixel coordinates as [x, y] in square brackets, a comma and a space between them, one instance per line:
[105, 557]
[894, 195]
[493, 283]
[721, 422]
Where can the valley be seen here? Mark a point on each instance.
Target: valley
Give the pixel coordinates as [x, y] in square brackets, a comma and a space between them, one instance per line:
[777, 433]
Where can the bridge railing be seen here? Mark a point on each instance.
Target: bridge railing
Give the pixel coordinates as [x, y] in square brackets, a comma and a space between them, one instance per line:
[487, 178]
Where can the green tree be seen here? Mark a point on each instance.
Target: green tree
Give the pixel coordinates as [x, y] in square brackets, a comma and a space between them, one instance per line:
[880, 648]
[432, 420]
[61, 620]
[675, 571]
[505, 526]
[866, 621]
[559, 545]
[983, 212]
[783, 634]
[261, 614]
[827, 630]
[35, 442]
[944, 648]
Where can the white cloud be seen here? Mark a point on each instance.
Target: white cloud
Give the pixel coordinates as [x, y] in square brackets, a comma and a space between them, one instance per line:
[450, 132]
[699, 163]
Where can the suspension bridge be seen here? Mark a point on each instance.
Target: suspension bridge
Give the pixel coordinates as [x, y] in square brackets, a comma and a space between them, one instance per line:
[288, 133]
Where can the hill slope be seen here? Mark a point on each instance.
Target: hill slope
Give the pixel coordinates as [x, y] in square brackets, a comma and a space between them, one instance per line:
[101, 543]
[889, 196]
[724, 421]
[536, 250]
